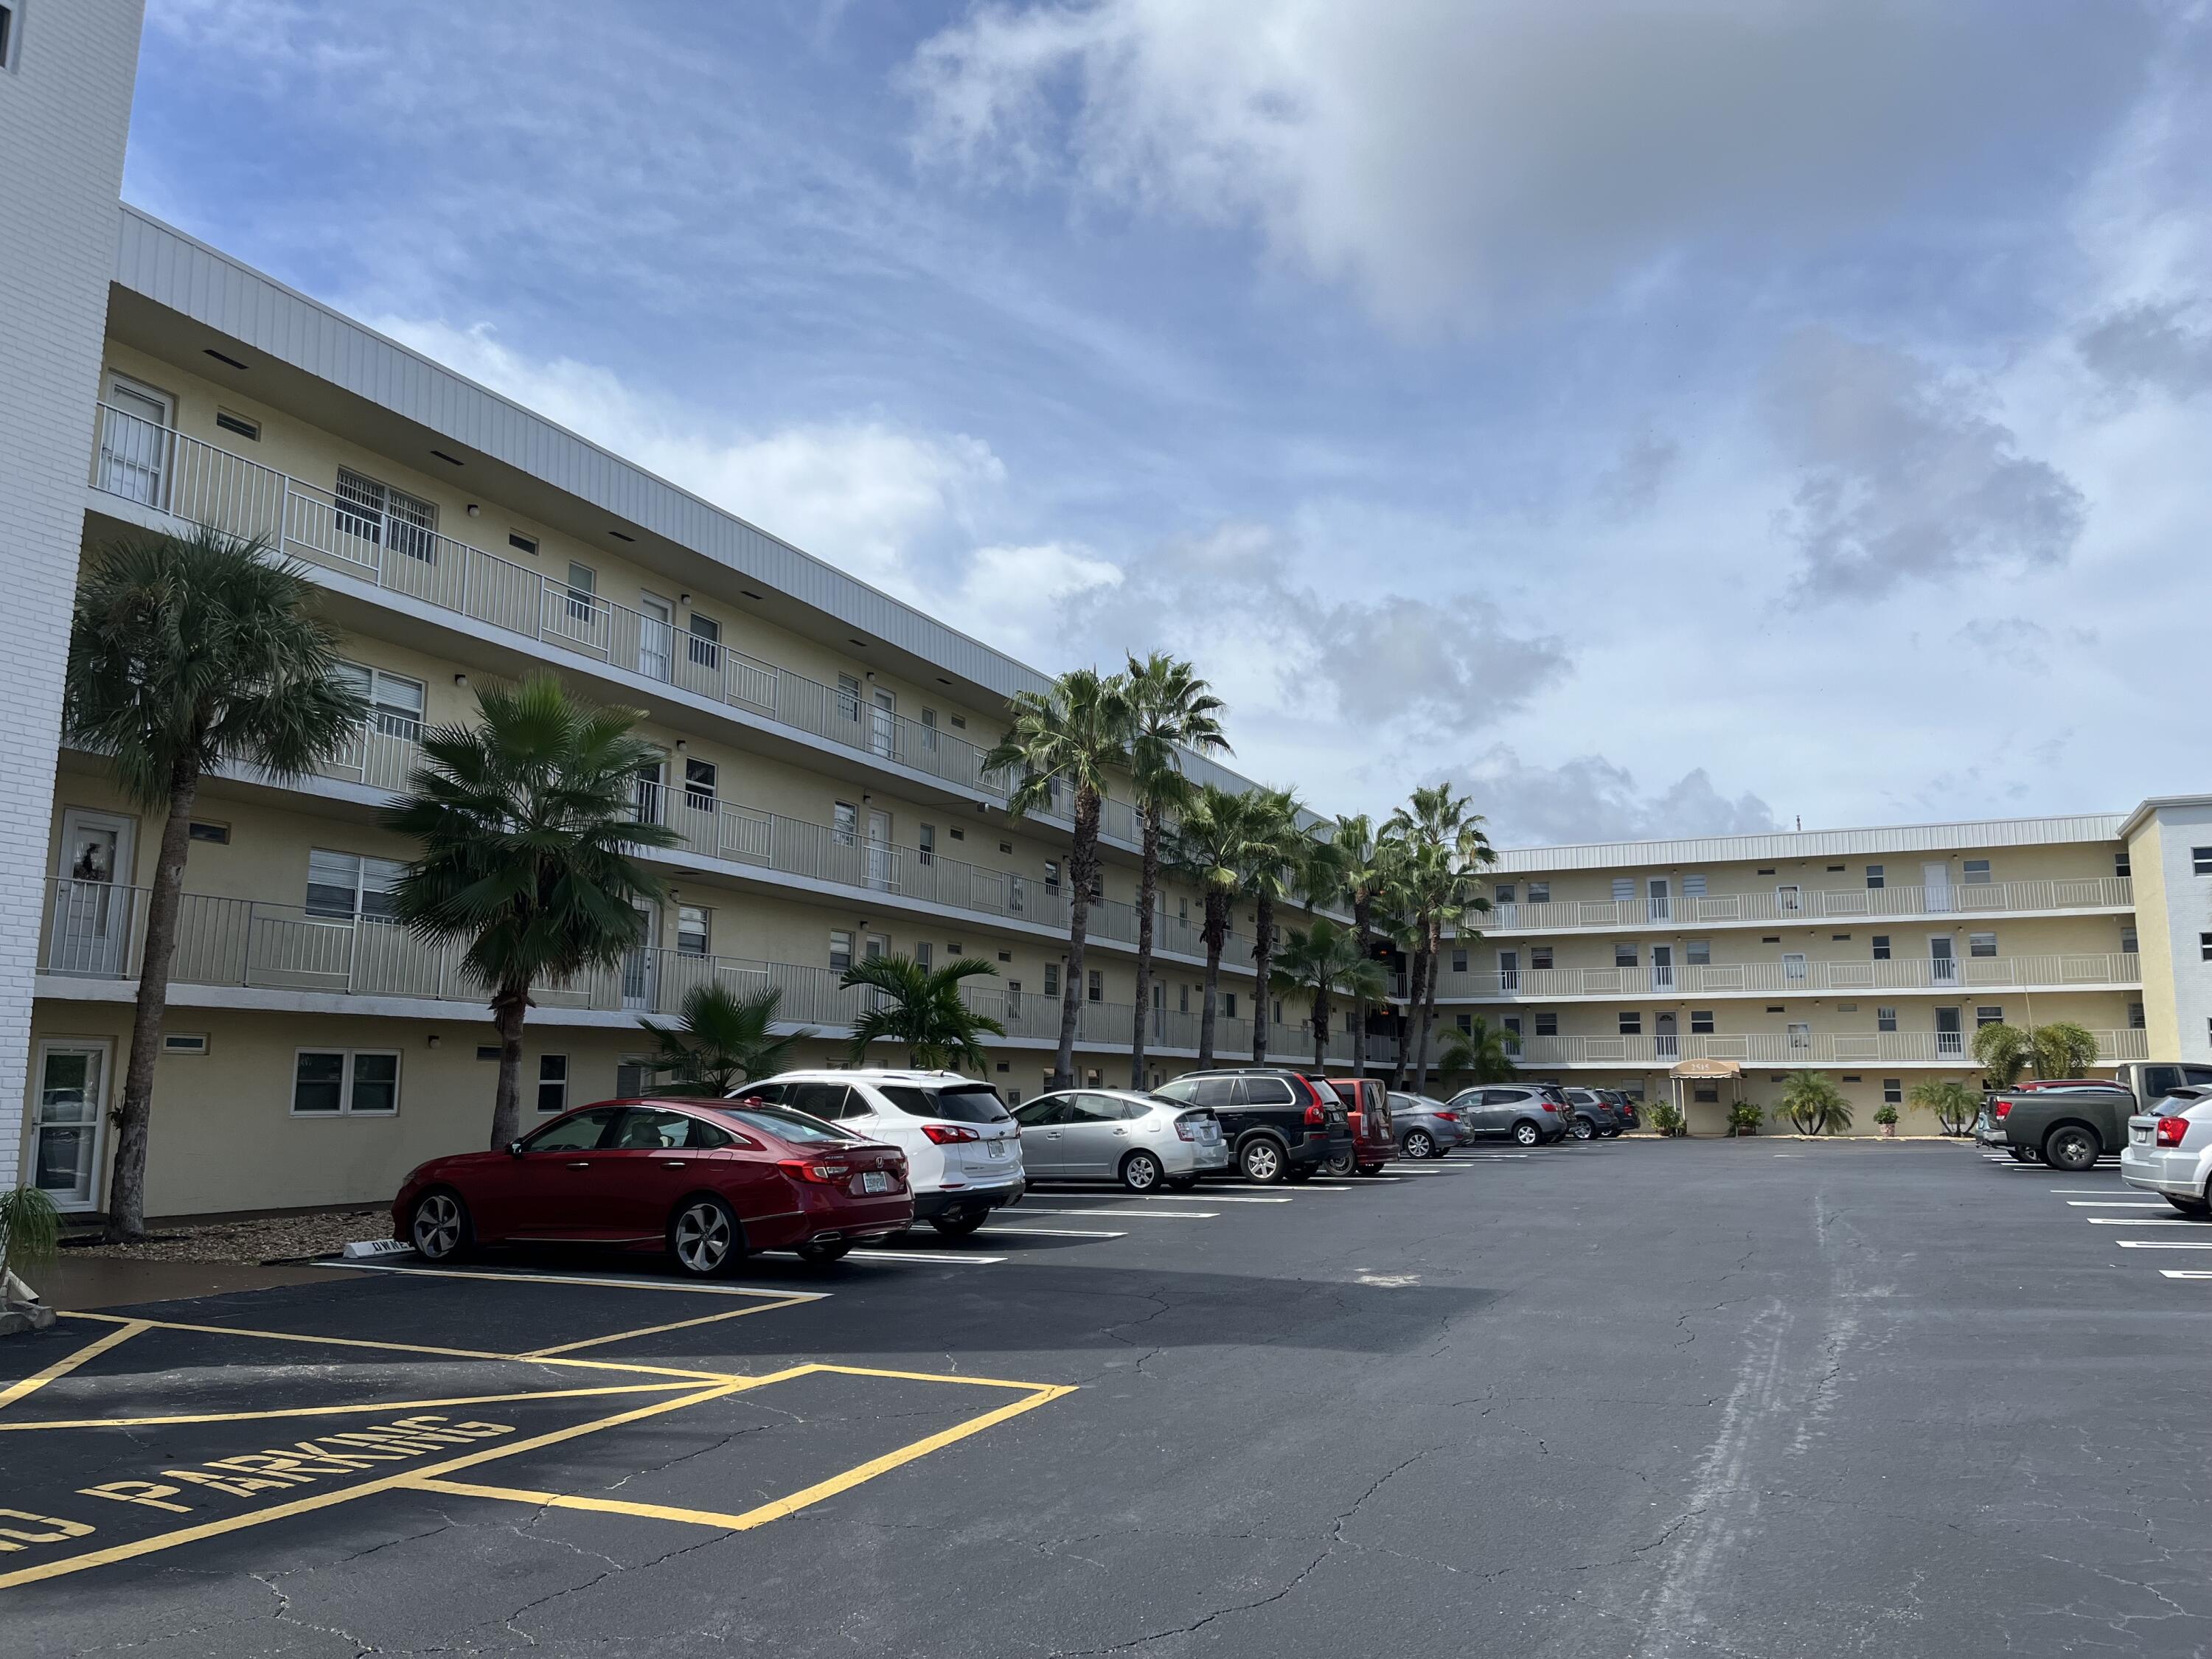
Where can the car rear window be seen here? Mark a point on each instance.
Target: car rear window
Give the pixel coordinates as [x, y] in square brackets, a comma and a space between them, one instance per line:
[786, 1125]
[978, 1103]
[1268, 1091]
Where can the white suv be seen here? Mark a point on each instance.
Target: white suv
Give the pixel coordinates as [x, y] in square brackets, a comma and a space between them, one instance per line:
[963, 1150]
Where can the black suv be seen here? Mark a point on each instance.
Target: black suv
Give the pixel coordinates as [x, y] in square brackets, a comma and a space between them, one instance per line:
[1279, 1125]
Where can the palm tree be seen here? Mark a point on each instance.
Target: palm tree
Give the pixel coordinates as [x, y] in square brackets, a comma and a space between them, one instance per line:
[1278, 853]
[723, 1040]
[1478, 1055]
[2003, 1052]
[1811, 1101]
[1322, 961]
[528, 822]
[922, 1008]
[1953, 1104]
[2062, 1049]
[189, 653]
[1449, 848]
[1362, 864]
[1207, 845]
[1173, 711]
[1077, 734]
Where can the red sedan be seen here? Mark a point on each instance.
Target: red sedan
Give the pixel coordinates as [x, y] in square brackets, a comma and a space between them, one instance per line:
[1373, 1142]
[705, 1181]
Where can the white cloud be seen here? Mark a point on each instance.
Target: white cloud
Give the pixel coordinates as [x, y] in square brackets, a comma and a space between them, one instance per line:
[1445, 159]
[1016, 597]
[1590, 797]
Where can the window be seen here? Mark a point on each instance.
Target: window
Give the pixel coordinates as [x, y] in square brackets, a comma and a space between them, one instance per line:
[244, 427]
[1801, 1038]
[1694, 887]
[1981, 945]
[1539, 957]
[1793, 966]
[1879, 944]
[691, 932]
[2135, 1017]
[522, 544]
[845, 823]
[704, 647]
[1505, 892]
[200, 829]
[1975, 873]
[1465, 1022]
[552, 1083]
[1789, 899]
[1892, 1091]
[1875, 879]
[1706, 1094]
[6, 34]
[841, 950]
[1458, 960]
[1540, 892]
[1276, 1013]
[1701, 1022]
[2121, 868]
[1624, 956]
[1183, 998]
[345, 886]
[929, 730]
[2128, 940]
[395, 703]
[1511, 1022]
[1052, 875]
[583, 584]
[345, 1082]
[184, 1042]
[383, 516]
[1095, 988]
[1547, 1024]
[923, 954]
[848, 696]
[1697, 953]
[2201, 859]
[1624, 889]
[488, 1051]
[928, 834]
[1631, 1023]
[1229, 1007]
[1052, 979]
[1885, 1019]
[1987, 1015]
[699, 780]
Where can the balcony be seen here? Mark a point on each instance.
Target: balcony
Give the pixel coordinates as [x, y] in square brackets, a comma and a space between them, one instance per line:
[1785, 905]
[1800, 978]
[95, 932]
[159, 468]
[1778, 1051]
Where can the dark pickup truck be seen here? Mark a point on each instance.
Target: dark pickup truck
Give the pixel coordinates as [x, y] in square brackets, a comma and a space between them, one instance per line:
[2070, 1125]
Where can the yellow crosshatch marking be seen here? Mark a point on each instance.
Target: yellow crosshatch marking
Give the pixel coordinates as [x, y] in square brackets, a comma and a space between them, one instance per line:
[287, 1469]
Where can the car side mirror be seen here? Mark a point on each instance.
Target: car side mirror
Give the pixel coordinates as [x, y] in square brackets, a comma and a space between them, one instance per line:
[515, 1148]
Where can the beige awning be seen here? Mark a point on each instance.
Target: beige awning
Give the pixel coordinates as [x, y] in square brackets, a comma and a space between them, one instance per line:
[1707, 1068]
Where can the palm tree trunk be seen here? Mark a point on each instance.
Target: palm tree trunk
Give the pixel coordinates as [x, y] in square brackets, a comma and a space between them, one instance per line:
[1082, 870]
[1360, 907]
[1419, 981]
[1429, 1004]
[1217, 936]
[1263, 961]
[1148, 889]
[508, 1011]
[1321, 1025]
[126, 1184]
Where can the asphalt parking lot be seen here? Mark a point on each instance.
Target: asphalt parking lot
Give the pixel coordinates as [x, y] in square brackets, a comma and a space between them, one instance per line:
[1635, 1398]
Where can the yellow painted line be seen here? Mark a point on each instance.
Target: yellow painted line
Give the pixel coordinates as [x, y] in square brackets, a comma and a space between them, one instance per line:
[674, 1325]
[345, 1495]
[935, 1376]
[346, 1410]
[126, 1329]
[746, 1520]
[413, 1347]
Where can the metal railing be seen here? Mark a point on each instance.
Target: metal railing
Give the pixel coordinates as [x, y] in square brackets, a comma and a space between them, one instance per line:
[1785, 905]
[1781, 1051]
[1797, 977]
[159, 467]
[95, 930]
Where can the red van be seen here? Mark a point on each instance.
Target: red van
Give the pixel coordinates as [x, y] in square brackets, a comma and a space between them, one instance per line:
[1366, 1103]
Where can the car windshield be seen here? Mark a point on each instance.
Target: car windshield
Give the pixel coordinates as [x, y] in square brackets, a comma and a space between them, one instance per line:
[978, 1103]
[786, 1125]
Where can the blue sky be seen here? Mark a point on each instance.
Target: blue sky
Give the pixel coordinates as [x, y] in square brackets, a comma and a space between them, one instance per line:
[1658, 416]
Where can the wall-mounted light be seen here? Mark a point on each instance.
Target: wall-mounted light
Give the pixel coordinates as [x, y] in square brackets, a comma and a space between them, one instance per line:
[460, 679]
[683, 598]
[872, 673]
[433, 1039]
[475, 512]
[679, 745]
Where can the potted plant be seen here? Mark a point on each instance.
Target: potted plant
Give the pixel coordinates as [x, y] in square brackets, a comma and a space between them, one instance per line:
[1886, 1116]
[1666, 1118]
[1744, 1118]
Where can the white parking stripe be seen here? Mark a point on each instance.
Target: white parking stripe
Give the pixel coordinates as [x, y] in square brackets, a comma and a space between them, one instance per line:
[1053, 1232]
[2159, 1244]
[2185, 1272]
[2091, 1192]
[2141, 1221]
[925, 1255]
[2116, 1204]
[1129, 1215]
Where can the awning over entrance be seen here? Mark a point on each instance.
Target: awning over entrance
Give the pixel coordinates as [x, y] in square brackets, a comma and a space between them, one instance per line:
[1707, 1068]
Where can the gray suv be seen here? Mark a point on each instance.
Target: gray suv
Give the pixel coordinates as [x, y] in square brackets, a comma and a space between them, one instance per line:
[1527, 1113]
[1594, 1117]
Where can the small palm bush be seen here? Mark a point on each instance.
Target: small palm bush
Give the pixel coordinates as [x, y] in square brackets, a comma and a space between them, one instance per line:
[1813, 1104]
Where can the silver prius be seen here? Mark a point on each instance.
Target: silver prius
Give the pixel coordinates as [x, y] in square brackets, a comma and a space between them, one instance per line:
[1117, 1134]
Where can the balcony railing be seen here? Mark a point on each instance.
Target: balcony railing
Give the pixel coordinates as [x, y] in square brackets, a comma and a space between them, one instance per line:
[159, 467]
[95, 930]
[1786, 905]
[1798, 978]
[1779, 1051]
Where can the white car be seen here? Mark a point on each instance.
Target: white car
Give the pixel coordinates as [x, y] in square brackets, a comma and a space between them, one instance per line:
[964, 1151]
[2169, 1150]
[1139, 1140]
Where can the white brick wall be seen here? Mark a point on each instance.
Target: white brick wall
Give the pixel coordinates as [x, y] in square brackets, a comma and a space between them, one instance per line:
[64, 115]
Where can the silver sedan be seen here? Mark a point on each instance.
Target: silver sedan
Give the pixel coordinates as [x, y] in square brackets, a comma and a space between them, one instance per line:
[1117, 1134]
[2169, 1152]
[1425, 1128]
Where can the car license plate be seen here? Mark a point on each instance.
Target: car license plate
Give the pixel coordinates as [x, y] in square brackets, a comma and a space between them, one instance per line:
[998, 1148]
[2139, 1133]
[874, 1180]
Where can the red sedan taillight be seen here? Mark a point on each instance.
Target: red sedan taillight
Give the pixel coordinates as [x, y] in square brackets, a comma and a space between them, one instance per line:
[800, 1169]
[2171, 1130]
[1448, 1117]
[947, 1134]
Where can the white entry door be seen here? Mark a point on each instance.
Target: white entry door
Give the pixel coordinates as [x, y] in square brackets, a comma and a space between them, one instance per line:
[134, 442]
[1662, 968]
[1942, 966]
[1936, 886]
[71, 1106]
[656, 636]
[883, 725]
[879, 849]
[1659, 901]
[93, 907]
[640, 966]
